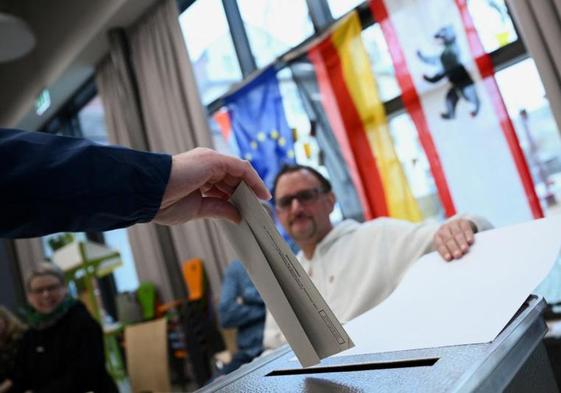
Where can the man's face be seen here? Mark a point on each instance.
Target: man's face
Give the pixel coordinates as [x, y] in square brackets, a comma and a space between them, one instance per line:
[45, 293]
[303, 207]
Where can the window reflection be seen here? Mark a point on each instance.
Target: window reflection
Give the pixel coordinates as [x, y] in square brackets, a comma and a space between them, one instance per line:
[415, 165]
[381, 62]
[210, 48]
[274, 26]
[340, 7]
[527, 106]
[92, 121]
[493, 23]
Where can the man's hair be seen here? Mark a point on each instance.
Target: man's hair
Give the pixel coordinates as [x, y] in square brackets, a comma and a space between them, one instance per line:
[44, 269]
[289, 168]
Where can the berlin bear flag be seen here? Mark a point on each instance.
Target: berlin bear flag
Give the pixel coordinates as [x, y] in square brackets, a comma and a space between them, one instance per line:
[449, 90]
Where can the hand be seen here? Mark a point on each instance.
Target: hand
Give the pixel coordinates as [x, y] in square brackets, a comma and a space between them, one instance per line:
[200, 184]
[453, 239]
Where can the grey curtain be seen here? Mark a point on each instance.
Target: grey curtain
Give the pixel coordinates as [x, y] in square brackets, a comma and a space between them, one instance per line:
[152, 103]
[29, 253]
[539, 23]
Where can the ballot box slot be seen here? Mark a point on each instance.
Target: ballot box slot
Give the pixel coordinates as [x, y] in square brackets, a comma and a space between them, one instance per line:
[428, 362]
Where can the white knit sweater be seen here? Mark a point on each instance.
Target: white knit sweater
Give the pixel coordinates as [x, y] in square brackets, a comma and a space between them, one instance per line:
[356, 266]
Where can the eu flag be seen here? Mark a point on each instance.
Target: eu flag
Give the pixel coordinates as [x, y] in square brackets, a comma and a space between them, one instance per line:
[259, 125]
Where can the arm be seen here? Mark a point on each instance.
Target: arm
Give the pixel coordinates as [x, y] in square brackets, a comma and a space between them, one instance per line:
[52, 184]
[232, 312]
[432, 60]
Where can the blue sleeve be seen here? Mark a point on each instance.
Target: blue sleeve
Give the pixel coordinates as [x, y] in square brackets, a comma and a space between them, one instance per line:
[53, 184]
[231, 312]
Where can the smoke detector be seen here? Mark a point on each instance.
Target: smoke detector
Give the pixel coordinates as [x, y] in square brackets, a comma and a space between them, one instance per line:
[17, 38]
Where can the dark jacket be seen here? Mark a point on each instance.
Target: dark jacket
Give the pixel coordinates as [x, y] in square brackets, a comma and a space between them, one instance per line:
[66, 357]
[59, 184]
[8, 355]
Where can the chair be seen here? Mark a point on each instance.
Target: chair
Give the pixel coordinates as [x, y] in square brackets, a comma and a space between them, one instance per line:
[202, 336]
[146, 350]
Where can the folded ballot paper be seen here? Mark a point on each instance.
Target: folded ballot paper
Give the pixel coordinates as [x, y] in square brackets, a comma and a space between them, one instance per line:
[467, 301]
[307, 322]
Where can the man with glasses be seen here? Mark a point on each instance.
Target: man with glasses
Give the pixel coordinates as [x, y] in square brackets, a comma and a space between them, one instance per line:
[355, 266]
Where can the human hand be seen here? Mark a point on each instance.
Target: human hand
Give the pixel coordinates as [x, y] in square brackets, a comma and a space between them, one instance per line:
[200, 184]
[454, 238]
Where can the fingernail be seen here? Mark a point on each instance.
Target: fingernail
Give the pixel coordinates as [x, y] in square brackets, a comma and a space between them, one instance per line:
[457, 254]
[447, 257]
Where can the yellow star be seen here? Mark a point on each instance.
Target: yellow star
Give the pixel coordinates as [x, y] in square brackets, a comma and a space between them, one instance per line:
[282, 141]
[248, 156]
[253, 145]
[290, 154]
[261, 137]
[275, 134]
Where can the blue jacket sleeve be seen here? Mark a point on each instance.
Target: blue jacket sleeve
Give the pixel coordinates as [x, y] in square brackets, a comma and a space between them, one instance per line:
[53, 184]
[232, 312]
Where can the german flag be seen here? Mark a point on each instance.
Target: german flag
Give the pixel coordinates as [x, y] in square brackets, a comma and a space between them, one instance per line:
[350, 98]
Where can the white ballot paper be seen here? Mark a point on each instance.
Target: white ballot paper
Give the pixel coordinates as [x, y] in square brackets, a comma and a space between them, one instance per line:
[467, 301]
[307, 322]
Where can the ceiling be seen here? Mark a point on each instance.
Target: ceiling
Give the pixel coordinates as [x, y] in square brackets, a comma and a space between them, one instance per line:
[71, 40]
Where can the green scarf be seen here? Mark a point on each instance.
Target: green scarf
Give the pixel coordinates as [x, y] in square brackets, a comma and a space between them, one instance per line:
[42, 321]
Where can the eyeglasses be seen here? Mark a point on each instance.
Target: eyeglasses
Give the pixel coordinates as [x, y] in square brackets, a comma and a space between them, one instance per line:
[48, 288]
[305, 197]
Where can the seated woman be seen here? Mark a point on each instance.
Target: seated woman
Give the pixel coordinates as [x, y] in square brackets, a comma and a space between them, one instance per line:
[11, 333]
[63, 349]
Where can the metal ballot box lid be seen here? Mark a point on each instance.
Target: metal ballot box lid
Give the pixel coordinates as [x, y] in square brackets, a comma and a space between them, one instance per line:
[515, 362]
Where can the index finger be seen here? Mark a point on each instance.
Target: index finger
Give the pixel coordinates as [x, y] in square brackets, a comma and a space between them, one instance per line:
[244, 171]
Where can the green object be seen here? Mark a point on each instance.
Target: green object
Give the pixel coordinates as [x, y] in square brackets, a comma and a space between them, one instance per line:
[113, 358]
[60, 241]
[146, 295]
[40, 321]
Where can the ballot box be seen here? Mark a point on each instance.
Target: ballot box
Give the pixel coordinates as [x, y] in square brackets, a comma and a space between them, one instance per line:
[516, 361]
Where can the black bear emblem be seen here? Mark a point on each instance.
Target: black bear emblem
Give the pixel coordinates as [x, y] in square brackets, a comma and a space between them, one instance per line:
[454, 70]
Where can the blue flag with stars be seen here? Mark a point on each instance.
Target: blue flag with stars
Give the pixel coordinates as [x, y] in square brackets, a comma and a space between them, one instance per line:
[260, 127]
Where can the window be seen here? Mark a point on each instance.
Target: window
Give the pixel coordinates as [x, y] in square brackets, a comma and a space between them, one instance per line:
[493, 23]
[125, 276]
[415, 165]
[524, 97]
[210, 48]
[92, 121]
[274, 26]
[381, 62]
[341, 7]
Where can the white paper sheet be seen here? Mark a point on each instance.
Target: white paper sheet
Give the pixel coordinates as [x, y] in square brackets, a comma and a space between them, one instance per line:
[307, 322]
[463, 302]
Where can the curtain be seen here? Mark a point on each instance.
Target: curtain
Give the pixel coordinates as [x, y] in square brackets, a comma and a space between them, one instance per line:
[168, 117]
[539, 23]
[29, 253]
[125, 127]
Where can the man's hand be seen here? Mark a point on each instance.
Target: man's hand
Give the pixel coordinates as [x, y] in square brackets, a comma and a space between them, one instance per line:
[453, 239]
[200, 184]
